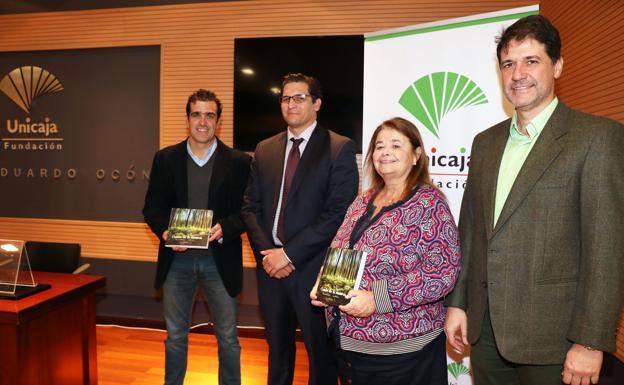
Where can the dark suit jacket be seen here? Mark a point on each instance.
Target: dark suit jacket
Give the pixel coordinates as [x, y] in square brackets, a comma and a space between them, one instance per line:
[168, 188]
[552, 267]
[324, 185]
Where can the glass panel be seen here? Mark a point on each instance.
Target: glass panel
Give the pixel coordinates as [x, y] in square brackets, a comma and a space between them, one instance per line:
[14, 266]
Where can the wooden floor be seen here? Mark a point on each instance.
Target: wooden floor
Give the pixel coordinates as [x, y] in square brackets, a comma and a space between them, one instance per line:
[136, 356]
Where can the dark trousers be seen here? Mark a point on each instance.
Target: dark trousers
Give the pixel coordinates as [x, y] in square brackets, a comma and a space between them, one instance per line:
[286, 303]
[490, 368]
[424, 367]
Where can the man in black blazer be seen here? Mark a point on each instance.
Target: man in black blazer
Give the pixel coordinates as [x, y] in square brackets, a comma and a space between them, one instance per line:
[200, 172]
[301, 183]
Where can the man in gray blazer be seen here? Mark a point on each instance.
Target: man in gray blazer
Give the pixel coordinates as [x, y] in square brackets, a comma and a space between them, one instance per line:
[541, 226]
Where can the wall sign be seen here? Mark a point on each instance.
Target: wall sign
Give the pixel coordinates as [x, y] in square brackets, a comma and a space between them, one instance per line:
[78, 130]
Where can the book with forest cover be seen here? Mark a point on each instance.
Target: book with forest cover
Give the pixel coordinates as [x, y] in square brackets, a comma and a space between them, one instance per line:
[342, 271]
[189, 228]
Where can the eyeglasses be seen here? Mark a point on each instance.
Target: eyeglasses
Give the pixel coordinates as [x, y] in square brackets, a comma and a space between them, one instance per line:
[298, 98]
[198, 115]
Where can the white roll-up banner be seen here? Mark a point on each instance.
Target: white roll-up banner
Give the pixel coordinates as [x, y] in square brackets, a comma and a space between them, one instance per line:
[444, 78]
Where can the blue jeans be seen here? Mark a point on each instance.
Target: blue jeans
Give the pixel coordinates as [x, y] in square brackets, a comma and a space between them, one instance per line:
[179, 289]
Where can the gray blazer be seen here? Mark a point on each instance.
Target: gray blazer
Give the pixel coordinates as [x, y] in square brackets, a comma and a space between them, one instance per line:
[552, 270]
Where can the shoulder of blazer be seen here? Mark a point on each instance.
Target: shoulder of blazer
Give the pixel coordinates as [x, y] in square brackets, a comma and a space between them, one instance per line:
[266, 153]
[588, 124]
[336, 142]
[175, 151]
[494, 131]
[272, 140]
[231, 153]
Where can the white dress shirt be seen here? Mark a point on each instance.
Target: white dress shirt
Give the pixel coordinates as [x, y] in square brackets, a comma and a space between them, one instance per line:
[305, 135]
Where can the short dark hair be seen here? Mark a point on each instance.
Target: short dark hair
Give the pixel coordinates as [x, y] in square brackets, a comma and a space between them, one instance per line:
[203, 96]
[535, 27]
[314, 86]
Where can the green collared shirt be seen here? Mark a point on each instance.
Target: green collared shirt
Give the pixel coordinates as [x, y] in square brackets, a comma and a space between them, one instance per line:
[516, 151]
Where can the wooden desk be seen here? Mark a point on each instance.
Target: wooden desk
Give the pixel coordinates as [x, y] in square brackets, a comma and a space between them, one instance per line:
[49, 337]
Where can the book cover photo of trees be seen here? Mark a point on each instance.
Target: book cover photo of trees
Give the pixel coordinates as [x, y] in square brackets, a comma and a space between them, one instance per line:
[189, 228]
[342, 271]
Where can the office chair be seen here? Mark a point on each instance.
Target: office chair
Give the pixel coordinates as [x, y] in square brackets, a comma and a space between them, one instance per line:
[55, 257]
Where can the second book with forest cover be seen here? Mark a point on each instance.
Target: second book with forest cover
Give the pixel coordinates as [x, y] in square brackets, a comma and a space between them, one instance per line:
[189, 228]
[342, 271]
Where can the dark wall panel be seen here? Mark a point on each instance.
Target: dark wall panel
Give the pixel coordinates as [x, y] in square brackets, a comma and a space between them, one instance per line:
[79, 130]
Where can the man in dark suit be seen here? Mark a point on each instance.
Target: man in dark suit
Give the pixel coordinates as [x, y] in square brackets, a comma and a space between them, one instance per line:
[541, 284]
[301, 183]
[200, 172]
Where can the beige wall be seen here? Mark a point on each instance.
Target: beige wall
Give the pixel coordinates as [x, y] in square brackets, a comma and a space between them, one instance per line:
[593, 74]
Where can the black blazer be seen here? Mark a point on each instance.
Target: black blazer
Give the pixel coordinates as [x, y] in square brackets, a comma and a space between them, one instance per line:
[324, 185]
[168, 188]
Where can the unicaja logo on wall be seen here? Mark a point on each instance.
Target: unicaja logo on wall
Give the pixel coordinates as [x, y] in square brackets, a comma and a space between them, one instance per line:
[430, 98]
[25, 84]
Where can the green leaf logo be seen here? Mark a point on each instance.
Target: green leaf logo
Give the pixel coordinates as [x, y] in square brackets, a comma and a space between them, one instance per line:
[433, 96]
[456, 369]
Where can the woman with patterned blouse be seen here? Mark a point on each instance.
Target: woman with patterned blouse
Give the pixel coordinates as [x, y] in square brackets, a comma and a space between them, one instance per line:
[391, 330]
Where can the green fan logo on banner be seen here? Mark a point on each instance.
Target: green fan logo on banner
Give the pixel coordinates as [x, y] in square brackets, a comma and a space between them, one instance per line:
[430, 98]
[456, 369]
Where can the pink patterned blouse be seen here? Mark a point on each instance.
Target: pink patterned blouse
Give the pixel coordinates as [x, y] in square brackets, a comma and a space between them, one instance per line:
[413, 261]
